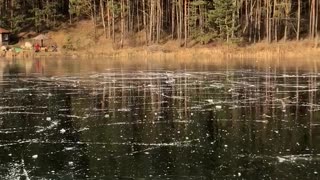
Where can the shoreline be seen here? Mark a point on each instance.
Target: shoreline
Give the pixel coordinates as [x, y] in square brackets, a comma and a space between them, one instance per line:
[263, 51]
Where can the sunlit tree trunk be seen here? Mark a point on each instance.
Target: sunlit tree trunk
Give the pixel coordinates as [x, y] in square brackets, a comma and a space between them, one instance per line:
[298, 20]
[138, 14]
[145, 20]
[102, 18]
[287, 11]
[316, 23]
[268, 21]
[11, 14]
[151, 21]
[180, 20]
[159, 20]
[122, 23]
[275, 21]
[185, 22]
[312, 21]
[173, 18]
[113, 19]
[108, 18]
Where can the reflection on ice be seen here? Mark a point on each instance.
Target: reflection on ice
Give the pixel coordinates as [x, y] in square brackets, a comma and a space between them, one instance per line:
[299, 157]
[161, 124]
[17, 171]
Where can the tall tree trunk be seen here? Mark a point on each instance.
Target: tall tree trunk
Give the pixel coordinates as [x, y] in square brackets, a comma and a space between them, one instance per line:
[102, 18]
[247, 24]
[138, 15]
[316, 23]
[11, 14]
[108, 18]
[159, 15]
[151, 21]
[94, 18]
[145, 20]
[127, 19]
[287, 12]
[256, 12]
[113, 19]
[259, 20]
[173, 18]
[180, 20]
[122, 24]
[268, 22]
[185, 22]
[298, 20]
[234, 19]
[312, 19]
[275, 20]
[70, 14]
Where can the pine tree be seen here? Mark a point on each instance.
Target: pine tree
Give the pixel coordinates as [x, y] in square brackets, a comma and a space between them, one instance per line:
[222, 18]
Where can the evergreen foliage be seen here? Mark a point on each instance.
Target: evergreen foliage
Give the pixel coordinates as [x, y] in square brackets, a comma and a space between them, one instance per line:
[222, 18]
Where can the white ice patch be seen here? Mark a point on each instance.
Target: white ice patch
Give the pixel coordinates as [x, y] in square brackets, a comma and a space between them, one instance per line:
[83, 129]
[298, 157]
[217, 85]
[69, 148]
[51, 126]
[62, 131]
[281, 160]
[210, 101]
[19, 89]
[124, 110]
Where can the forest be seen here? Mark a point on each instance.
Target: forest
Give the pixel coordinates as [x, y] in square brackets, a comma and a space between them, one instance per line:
[203, 21]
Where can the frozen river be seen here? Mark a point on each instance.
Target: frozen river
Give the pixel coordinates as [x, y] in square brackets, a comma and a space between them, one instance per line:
[161, 119]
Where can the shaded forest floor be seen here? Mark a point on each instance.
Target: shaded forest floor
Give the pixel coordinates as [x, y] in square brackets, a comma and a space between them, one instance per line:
[82, 40]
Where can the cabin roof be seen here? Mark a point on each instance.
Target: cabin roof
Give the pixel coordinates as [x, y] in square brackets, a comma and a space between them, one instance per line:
[3, 31]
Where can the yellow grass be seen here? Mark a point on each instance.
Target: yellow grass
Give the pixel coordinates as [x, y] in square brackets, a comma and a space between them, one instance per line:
[282, 51]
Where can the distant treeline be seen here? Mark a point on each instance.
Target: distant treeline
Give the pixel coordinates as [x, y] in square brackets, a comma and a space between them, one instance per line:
[203, 21]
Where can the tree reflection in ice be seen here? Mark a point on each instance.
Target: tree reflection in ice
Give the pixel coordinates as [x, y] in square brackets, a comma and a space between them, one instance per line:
[74, 121]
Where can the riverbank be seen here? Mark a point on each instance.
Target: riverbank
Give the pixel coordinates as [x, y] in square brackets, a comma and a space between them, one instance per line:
[77, 41]
[258, 51]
